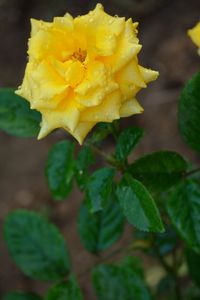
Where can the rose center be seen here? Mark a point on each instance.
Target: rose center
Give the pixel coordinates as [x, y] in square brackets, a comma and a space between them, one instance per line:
[79, 55]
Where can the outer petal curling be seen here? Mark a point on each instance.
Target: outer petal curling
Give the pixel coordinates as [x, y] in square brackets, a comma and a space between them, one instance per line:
[66, 117]
[127, 48]
[148, 74]
[194, 34]
[130, 107]
[82, 130]
[130, 79]
[42, 82]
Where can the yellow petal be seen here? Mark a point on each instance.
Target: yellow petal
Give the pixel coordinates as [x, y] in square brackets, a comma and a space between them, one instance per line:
[74, 73]
[95, 86]
[130, 79]
[37, 25]
[82, 130]
[127, 48]
[100, 30]
[65, 23]
[51, 42]
[42, 86]
[107, 111]
[194, 34]
[71, 71]
[148, 74]
[67, 117]
[130, 107]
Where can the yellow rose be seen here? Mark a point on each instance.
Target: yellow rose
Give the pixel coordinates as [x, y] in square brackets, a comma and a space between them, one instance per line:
[83, 70]
[194, 34]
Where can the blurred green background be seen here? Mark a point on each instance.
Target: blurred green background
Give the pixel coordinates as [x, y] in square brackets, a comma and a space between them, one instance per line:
[166, 47]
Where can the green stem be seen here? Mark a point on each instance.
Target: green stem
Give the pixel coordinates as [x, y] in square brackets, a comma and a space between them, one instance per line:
[193, 172]
[102, 260]
[171, 271]
[108, 158]
[114, 131]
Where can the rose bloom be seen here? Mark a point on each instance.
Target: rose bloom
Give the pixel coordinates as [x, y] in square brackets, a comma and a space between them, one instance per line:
[83, 70]
[194, 34]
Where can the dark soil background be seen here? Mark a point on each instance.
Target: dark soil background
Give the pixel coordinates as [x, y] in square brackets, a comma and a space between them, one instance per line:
[166, 48]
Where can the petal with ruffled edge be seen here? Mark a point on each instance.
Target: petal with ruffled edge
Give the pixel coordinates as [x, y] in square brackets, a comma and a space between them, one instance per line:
[100, 29]
[72, 71]
[127, 48]
[47, 40]
[42, 86]
[130, 80]
[96, 85]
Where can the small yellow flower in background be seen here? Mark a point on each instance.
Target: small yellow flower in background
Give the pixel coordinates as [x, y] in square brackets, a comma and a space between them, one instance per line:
[194, 34]
[83, 70]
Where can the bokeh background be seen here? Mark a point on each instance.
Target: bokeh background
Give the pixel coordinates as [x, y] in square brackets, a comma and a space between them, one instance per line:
[166, 48]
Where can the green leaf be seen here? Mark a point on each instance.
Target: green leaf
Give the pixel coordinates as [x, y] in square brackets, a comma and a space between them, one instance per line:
[60, 169]
[189, 112]
[183, 207]
[21, 296]
[138, 205]
[16, 117]
[99, 188]
[160, 170]
[36, 246]
[100, 230]
[121, 282]
[101, 131]
[84, 160]
[65, 291]
[193, 261]
[127, 140]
